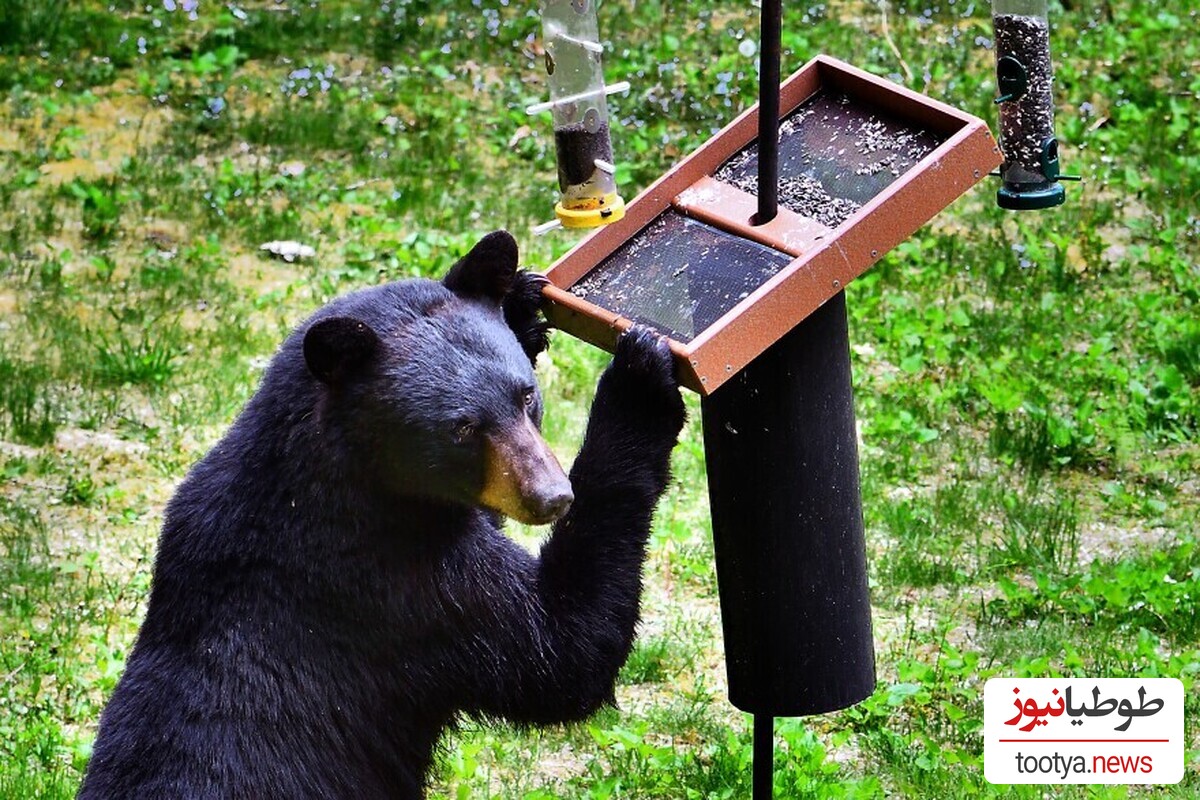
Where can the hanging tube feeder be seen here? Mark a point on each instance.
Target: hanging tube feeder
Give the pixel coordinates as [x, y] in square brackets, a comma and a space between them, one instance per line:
[573, 55]
[1025, 78]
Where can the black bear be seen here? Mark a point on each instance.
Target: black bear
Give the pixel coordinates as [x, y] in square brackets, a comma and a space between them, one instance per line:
[332, 587]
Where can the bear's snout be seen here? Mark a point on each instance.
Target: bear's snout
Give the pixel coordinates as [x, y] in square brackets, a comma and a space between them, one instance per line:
[553, 503]
[522, 478]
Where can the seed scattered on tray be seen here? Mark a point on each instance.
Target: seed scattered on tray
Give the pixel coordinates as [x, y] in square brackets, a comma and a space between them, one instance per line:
[835, 154]
[679, 275]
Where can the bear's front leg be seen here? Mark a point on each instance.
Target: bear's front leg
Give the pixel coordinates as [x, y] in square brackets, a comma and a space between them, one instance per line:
[578, 605]
[635, 421]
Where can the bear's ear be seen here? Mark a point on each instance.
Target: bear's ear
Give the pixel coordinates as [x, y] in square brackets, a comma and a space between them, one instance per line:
[488, 270]
[334, 348]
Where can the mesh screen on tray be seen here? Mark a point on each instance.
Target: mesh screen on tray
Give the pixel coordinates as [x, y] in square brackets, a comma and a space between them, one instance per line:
[679, 276]
[835, 154]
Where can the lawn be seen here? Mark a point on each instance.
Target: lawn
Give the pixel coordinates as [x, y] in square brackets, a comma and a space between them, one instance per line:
[1027, 385]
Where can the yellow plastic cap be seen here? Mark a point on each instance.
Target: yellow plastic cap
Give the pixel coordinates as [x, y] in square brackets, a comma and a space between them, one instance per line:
[591, 212]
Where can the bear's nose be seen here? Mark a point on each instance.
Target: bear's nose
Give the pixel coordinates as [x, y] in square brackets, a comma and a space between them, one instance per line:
[551, 504]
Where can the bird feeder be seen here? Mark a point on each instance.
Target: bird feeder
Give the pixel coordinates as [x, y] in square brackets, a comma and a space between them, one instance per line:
[740, 255]
[575, 73]
[1025, 79]
[862, 164]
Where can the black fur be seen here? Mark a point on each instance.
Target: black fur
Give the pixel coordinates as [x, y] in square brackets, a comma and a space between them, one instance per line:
[488, 271]
[335, 347]
[522, 307]
[328, 597]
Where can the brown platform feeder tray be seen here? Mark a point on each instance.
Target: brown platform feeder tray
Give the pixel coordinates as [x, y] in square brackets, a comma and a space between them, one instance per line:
[863, 163]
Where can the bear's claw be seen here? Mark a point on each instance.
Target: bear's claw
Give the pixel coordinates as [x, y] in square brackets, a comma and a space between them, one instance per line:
[522, 311]
[645, 352]
[644, 357]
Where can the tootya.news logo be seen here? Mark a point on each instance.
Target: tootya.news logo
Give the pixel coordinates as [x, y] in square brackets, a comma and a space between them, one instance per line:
[1074, 730]
[1041, 715]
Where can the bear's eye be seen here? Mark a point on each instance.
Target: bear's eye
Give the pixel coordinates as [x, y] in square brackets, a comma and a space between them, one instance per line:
[529, 398]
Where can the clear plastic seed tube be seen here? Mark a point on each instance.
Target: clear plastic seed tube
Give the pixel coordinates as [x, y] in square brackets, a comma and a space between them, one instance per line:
[577, 102]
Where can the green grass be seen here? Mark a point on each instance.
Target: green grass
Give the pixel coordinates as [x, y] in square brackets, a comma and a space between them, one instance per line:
[1027, 386]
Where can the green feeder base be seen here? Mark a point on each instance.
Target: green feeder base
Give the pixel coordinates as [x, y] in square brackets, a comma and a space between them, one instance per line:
[1044, 196]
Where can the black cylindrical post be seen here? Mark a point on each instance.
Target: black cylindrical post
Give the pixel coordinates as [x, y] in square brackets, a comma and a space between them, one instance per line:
[770, 56]
[782, 462]
[764, 757]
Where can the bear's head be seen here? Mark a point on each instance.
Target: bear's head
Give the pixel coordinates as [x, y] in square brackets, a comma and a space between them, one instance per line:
[430, 386]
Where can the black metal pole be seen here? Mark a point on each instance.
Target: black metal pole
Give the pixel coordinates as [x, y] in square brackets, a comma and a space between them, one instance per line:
[770, 56]
[769, 76]
[782, 460]
[764, 756]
